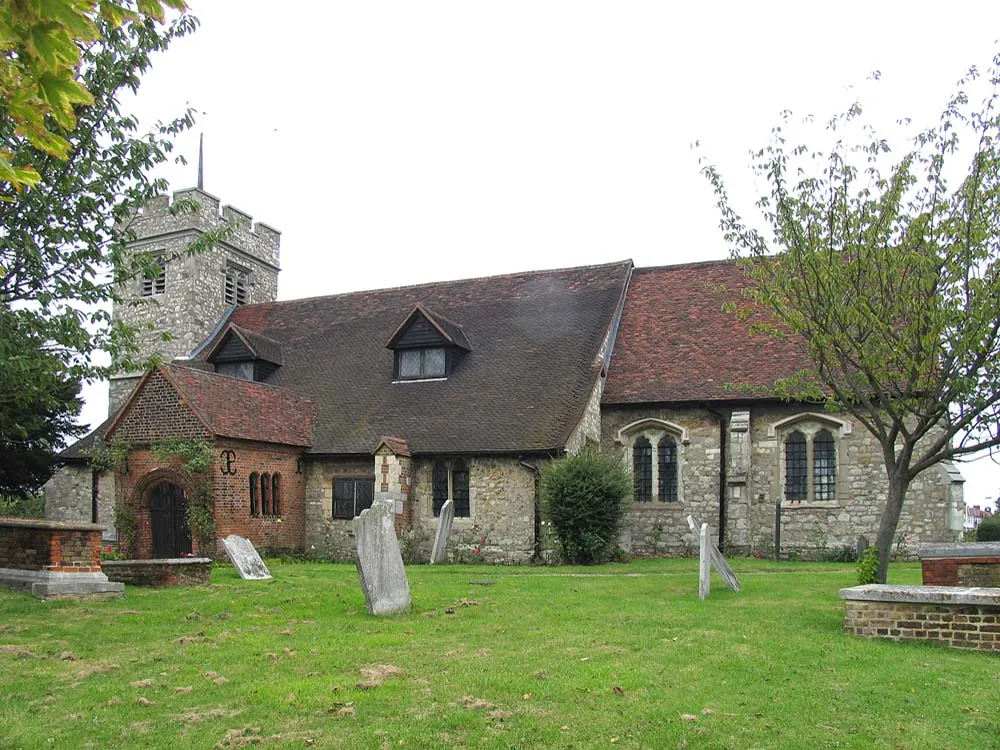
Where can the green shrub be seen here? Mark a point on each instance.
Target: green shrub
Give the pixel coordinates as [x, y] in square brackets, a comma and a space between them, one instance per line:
[32, 506]
[868, 566]
[988, 530]
[584, 496]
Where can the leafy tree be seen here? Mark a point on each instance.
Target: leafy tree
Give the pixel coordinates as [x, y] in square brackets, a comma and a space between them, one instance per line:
[988, 530]
[63, 242]
[40, 63]
[891, 274]
[585, 497]
[32, 428]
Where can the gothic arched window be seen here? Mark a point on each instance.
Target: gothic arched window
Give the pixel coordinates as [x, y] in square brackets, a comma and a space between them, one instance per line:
[642, 470]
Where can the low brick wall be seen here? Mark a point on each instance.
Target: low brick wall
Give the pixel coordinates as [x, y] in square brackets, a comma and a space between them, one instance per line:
[956, 617]
[976, 564]
[178, 571]
[56, 546]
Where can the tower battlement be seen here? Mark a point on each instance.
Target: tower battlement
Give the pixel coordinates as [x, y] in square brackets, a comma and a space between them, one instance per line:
[155, 220]
[193, 291]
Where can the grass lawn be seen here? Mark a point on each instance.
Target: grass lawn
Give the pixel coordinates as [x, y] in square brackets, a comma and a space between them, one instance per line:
[621, 655]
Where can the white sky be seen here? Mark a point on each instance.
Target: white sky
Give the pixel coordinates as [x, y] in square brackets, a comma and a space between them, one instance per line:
[396, 142]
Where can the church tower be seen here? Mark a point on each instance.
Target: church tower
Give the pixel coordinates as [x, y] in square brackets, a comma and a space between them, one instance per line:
[192, 293]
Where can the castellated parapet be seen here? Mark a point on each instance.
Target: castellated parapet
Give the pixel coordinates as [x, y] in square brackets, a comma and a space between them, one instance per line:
[192, 297]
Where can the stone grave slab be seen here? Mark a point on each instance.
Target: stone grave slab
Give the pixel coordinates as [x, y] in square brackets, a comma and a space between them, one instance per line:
[394, 498]
[439, 553]
[379, 562]
[704, 562]
[243, 555]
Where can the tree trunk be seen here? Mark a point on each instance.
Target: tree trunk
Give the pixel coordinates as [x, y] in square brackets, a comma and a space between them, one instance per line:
[890, 520]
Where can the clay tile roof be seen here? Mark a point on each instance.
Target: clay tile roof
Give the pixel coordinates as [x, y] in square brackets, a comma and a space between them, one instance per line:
[397, 445]
[244, 409]
[523, 387]
[677, 344]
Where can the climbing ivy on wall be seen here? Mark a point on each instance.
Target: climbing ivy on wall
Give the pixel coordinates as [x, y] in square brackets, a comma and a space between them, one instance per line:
[195, 458]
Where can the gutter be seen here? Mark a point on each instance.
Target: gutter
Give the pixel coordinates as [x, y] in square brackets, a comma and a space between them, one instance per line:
[723, 476]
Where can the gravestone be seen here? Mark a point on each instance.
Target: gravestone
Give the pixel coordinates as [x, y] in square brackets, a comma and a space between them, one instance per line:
[704, 562]
[245, 559]
[379, 562]
[714, 556]
[394, 498]
[439, 553]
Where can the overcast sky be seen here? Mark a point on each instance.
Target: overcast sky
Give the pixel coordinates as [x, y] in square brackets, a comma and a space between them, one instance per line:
[399, 142]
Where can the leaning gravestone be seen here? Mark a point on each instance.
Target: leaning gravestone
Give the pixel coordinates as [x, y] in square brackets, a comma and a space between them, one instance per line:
[245, 559]
[439, 553]
[379, 562]
[710, 555]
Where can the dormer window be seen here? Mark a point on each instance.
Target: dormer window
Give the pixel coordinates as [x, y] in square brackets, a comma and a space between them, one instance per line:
[245, 355]
[427, 346]
[413, 364]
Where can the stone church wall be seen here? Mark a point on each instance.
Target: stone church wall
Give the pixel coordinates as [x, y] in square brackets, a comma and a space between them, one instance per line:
[501, 525]
[753, 491]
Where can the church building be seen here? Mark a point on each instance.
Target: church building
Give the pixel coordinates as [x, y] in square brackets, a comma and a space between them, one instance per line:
[464, 390]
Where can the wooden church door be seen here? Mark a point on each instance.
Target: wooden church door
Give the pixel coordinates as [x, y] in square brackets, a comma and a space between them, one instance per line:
[168, 524]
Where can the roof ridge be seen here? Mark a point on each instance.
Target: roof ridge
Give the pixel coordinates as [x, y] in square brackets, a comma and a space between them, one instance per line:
[426, 284]
[690, 264]
[258, 383]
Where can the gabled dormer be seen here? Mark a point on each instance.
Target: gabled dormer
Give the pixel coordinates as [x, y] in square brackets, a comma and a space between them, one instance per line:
[426, 346]
[246, 355]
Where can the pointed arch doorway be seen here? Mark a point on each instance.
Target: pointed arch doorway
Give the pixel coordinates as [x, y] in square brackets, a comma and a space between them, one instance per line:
[168, 521]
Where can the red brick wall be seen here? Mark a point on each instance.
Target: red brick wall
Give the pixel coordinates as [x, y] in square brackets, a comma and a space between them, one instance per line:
[49, 546]
[158, 413]
[230, 492]
[966, 571]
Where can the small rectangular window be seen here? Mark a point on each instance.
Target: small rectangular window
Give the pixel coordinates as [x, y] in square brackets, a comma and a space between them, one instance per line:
[352, 495]
[414, 364]
[155, 283]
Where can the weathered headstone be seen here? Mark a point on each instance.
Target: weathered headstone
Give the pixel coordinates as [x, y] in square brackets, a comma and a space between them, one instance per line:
[245, 559]
[394, 498]
[716, 558]
[379, 562]
[439, 553]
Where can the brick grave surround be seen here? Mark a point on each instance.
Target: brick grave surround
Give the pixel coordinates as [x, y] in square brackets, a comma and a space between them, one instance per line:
[956, 617]
[53, 560]
[177, 571]
[975, 564]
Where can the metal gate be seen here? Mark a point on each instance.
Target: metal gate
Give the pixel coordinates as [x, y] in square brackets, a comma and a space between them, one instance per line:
[168, 524]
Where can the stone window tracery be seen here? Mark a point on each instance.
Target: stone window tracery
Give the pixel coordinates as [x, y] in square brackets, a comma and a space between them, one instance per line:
[809, 457]
[655, 447]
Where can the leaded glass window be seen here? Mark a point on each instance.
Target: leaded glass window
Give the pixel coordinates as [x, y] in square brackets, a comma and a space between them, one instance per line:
[824, 466]
[796, 467]
[666, 491]
[642, 470]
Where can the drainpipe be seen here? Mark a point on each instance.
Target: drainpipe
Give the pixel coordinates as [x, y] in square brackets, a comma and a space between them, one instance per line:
[723, 476]
[537, 542]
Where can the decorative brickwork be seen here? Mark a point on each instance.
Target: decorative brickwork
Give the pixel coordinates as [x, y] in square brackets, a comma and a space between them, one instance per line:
[229, 482]
[960, 618]
[158, 412]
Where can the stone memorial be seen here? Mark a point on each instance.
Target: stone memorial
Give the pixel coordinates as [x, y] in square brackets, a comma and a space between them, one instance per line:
[245, 559]
[379, 562]
[711, 552]
[439, 553]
